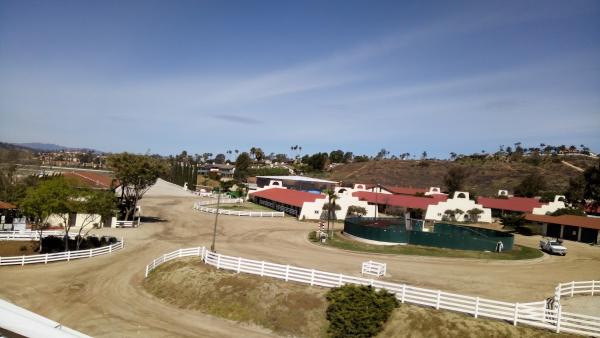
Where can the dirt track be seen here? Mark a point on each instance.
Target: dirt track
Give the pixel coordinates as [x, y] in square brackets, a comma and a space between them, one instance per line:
[102, 296]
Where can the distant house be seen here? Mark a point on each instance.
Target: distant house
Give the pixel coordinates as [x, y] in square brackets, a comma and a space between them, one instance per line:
[223, 170]
[570, 227]
[302, 183]
[10, 219]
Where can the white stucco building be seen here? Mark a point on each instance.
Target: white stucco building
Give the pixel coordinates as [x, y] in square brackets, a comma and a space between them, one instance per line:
[461, 201]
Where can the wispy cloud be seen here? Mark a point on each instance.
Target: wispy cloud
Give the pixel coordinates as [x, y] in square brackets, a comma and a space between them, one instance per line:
[236, 119]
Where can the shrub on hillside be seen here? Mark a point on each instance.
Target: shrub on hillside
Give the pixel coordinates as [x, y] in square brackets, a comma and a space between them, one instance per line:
[358, 311]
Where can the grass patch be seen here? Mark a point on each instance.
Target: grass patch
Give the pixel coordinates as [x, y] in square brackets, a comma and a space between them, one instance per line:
[342, 242]
[286, 308]
[423, 322]
[246, 206]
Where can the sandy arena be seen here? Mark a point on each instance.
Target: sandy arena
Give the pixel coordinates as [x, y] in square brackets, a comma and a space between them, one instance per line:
[103, 297]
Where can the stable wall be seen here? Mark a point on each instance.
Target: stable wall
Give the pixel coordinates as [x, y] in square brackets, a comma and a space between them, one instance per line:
[460, 200]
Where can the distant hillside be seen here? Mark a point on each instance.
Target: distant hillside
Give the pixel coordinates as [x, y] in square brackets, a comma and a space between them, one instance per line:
[50, 147]
[484, 177]
[10, 153]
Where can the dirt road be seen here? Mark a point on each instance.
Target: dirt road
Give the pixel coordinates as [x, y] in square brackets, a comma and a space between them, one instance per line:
[103, 297]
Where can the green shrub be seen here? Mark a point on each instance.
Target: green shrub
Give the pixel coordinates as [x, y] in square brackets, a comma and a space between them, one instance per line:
[358, 311]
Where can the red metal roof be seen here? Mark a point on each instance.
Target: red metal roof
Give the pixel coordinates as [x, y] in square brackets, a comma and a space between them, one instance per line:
[405, 201]
[404, 191]
[287, 196]
[90, 179]
[6, 205]
[521, 204]
[578, 221]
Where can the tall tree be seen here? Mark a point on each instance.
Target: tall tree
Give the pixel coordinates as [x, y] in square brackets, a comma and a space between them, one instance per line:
[220, 159]
[242, 164]
[454, 179]
[592, 185]
[531, 186]
[95, 205]
[50, 197]
[136, 174]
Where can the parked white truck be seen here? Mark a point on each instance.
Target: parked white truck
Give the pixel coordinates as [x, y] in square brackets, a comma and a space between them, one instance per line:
[553, 247]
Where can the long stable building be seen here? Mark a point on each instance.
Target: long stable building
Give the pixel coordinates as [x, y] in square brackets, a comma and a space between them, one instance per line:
[574, 228]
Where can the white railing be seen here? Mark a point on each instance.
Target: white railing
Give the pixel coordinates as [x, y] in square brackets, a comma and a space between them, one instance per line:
[373, 268]
[591, 288]
[128, 224]
[25, 323]
[241, 213]
[61, 256]
[32, 235]
[222, 201]
[533, 314]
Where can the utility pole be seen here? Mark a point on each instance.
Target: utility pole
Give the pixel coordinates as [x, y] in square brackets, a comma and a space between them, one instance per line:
[212, 247]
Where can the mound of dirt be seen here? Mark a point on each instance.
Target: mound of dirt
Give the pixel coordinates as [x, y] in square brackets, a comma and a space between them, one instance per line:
[163, 188]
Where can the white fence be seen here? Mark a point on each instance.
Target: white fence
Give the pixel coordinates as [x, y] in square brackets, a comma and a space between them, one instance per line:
[61, 256]
[200, 207]
[533, 314]
[222, 201]
[373, 268]
[128, 224]
[32, 235]
[591, 287]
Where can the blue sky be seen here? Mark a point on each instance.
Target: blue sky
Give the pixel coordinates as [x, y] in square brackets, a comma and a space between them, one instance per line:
[208, 76]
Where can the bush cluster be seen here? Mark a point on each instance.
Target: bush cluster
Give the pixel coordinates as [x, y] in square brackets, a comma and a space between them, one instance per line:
[358, 311]
[52, 244]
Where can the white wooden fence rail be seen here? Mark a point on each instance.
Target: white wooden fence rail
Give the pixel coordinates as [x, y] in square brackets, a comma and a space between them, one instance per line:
[373, 268]
[591, 288]
[200, 207]
[61, 256]
[223, 201]
[533, 314]
[32, 235]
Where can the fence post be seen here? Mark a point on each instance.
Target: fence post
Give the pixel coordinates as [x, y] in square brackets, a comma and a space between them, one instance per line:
[558, 318]
[593, 286]
[312, 277]
[22, 260]
[262, 268]
[516, 314]
[287, 272]
[90, 252]
[179, 253]
[476, 307]
[403, 293]
[572, 288]
[46, 259]
[239, 264]
[218, 261]
[146, 275]
[437, 303]
[109, 248]
[340, 281]
[69, 256]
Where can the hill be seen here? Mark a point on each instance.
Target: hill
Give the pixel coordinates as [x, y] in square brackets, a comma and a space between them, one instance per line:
[10, 153]
[50, 147]
[484, 177]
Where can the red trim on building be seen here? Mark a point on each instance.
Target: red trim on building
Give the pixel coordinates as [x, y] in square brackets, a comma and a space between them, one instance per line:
[520, 204]
[287, 196]
[6, 205]
[405, 201]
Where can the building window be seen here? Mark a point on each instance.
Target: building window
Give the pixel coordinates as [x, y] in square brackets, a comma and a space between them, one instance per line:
[316, 212]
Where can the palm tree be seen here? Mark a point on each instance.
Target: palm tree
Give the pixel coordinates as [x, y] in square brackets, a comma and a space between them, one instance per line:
[458, 212]
[330, 206]
[253, 152]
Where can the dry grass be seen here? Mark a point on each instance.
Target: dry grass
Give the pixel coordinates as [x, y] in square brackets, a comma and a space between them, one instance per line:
[291, 309]
[484, 177]
[286, 308]
[18, 248]
[421, 322]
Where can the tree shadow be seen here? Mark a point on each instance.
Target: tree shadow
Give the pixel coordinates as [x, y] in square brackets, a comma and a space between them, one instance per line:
[152, 219]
